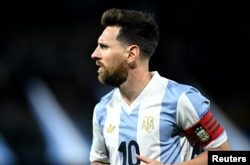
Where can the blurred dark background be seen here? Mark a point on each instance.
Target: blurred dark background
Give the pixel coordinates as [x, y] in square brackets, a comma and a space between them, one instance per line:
[202, 43]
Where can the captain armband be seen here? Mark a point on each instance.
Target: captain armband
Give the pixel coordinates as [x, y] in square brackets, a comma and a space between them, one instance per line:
[206, 130]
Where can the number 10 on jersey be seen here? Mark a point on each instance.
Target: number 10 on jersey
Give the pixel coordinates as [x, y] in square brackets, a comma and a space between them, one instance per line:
[129, 152]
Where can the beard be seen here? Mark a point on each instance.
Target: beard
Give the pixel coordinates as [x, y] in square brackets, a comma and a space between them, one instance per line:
[114, 75]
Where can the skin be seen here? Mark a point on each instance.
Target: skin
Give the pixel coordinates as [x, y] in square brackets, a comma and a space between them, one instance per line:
[121, 65]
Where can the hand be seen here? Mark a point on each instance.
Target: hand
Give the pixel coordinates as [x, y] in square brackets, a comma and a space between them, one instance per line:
[148, 161]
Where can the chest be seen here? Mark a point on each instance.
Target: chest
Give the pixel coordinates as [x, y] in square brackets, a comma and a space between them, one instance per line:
[152, 121]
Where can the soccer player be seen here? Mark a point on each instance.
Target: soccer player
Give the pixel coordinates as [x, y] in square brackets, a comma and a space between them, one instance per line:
[146, 118]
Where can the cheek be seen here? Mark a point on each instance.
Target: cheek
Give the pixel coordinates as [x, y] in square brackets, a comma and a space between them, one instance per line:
[113, 58]
[118, 59]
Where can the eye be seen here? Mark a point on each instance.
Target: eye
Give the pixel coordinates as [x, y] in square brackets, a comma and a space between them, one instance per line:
[102, 46]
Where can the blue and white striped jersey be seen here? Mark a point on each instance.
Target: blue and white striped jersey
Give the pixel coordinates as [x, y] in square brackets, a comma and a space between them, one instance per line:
[153, 125]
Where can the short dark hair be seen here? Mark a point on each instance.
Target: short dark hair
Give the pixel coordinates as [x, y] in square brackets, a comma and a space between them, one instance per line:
[137, 28]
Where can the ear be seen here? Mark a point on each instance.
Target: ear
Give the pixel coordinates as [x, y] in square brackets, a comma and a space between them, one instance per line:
[133, 53]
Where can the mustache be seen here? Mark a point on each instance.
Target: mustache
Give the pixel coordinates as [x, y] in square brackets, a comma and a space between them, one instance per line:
[100, 64]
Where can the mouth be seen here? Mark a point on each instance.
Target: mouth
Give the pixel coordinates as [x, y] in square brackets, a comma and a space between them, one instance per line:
[100, 67]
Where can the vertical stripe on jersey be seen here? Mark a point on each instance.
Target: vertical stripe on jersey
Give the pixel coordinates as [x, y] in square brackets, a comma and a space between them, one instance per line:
[172, 143]
[99, 150]
[127, 133]
[148, 129]
[101, 112]
[112, 131]
[170, 140]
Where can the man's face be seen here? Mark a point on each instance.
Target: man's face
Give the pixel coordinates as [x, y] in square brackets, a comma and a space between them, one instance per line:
[110, 56]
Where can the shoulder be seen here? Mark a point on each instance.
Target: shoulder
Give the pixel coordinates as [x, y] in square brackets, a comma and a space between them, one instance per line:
[187, 100]
[176, 90]
[171, 86]
[104, 101]
[195, 100]
[191, 107]
[173, 90]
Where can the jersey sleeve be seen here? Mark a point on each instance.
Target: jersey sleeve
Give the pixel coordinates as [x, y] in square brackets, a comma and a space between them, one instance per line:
[197, 121]
[98, 150]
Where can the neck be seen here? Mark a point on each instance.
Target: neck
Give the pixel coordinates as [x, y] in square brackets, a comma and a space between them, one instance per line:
[134, 85]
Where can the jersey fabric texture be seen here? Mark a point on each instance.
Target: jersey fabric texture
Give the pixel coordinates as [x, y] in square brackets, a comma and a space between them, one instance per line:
[153, 125]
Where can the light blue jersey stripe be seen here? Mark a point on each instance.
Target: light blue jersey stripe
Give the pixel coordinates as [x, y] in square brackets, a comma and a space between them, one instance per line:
[196, 99]
[170, 143]
[101, 111]
[127, 132]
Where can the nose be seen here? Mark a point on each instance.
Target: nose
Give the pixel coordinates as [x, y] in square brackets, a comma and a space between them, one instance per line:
[95, 55]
